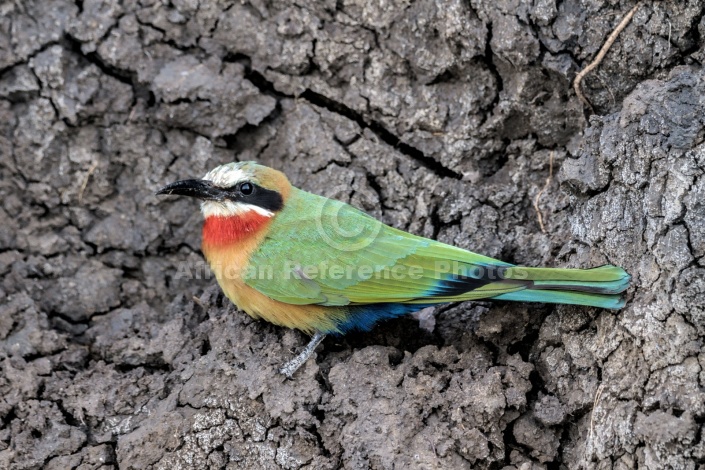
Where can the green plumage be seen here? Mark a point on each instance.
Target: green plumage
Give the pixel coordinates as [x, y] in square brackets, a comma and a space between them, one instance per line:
[325, 252]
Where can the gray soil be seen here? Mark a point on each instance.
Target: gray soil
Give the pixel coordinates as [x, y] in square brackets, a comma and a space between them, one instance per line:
[439, 118]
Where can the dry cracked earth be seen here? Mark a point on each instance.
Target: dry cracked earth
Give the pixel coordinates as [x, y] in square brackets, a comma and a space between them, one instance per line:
[442, 118]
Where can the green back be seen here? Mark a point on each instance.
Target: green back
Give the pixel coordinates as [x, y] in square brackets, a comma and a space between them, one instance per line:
[322, 251]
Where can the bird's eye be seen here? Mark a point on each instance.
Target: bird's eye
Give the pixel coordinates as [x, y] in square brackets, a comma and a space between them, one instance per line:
[246, 188]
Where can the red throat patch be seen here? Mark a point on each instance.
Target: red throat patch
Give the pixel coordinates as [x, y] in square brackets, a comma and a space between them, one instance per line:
[226, 230]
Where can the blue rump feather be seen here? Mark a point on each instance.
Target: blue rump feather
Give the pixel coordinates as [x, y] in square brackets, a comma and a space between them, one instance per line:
[364, 317]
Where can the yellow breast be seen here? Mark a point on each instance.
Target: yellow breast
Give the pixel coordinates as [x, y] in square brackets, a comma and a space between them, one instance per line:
[229, 262]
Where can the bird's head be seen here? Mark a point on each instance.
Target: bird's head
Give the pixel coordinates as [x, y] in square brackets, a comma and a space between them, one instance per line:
[236, 189]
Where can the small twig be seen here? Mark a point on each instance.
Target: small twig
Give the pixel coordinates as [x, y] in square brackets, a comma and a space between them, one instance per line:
[669, 39]
[601, 55]
[545, 187]
[433, 446]
[598, 394]
[198, 301]
[85, 181]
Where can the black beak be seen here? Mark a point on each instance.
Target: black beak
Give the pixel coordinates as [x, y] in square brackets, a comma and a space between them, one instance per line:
[201, 189]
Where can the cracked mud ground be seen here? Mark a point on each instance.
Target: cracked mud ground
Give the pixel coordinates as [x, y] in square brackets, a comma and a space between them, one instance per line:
[438, 118]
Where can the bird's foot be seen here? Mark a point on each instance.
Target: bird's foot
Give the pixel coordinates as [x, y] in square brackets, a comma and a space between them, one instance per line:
[293, 365]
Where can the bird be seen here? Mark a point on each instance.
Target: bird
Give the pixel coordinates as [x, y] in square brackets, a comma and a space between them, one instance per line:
[304, 261]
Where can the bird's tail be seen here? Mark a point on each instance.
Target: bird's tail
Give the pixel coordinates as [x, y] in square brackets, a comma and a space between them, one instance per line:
[597, 287]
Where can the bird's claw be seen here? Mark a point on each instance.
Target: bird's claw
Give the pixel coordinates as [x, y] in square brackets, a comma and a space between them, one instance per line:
[293, 365]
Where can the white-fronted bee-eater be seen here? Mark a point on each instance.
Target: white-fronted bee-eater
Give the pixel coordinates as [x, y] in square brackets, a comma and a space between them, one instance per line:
[324, 267]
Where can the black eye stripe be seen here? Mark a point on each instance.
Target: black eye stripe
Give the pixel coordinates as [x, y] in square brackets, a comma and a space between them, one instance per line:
[262, 197]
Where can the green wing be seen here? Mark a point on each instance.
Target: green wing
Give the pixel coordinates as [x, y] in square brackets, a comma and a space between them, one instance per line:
[322, 251]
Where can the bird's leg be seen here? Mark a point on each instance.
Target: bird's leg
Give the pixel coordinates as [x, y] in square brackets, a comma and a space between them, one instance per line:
[293, 365]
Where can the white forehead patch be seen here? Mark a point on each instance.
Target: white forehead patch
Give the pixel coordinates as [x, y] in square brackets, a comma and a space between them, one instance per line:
[226, 176]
